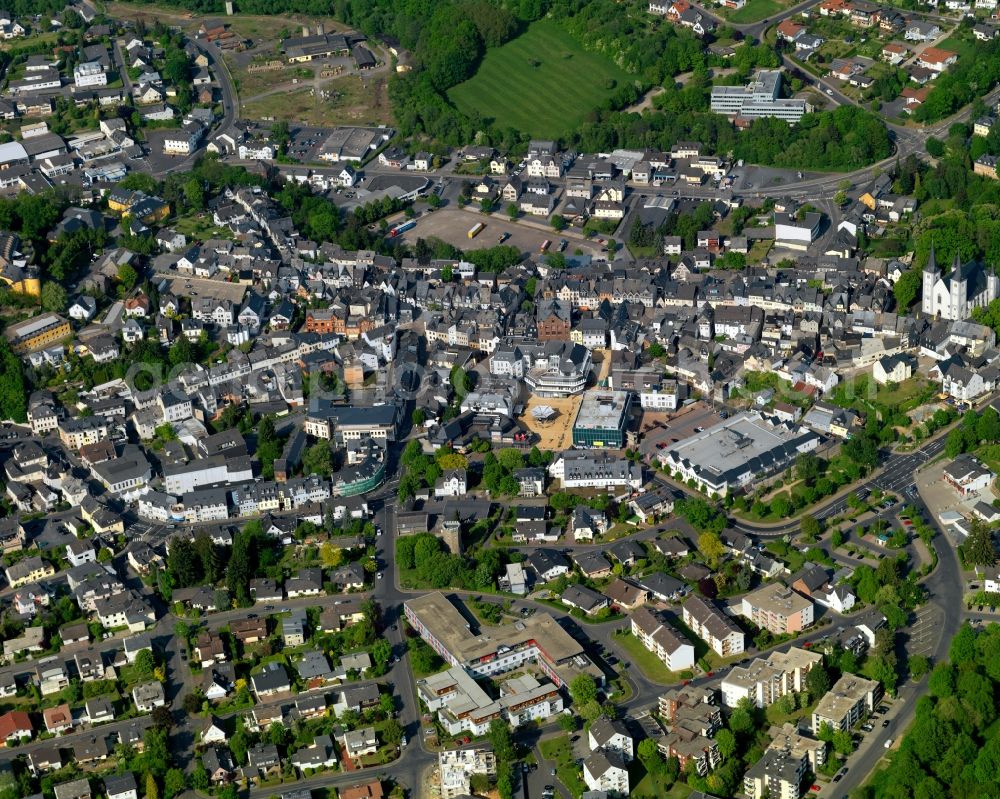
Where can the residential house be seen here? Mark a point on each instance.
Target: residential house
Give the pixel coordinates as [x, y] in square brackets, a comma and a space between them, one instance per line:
[149, 696]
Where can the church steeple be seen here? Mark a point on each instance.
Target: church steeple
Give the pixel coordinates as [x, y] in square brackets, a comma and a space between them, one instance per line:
[956, 265]
[931, 260]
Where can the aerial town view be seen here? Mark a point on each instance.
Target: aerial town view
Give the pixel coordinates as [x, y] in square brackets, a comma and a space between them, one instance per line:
[513, 399]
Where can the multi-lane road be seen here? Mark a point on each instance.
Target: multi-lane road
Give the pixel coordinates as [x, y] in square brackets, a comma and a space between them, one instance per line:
[895, 474]
[944, 607]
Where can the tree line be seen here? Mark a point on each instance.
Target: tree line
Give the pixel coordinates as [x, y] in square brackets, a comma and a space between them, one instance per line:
[952, 749]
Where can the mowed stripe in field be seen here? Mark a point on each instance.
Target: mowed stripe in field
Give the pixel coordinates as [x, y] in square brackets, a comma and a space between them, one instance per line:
[545, 100]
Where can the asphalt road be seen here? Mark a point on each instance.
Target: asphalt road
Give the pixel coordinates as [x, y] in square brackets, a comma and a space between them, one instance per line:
[895, 474]
[230, 107]
[944, 586]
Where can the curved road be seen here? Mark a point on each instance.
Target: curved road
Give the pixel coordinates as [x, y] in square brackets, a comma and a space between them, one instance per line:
[230, 106]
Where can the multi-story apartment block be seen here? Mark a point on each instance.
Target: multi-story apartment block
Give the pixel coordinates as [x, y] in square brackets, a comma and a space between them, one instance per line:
[713, 626]
[676, 652]
[764, 681]
[779, 609]
[844, 705]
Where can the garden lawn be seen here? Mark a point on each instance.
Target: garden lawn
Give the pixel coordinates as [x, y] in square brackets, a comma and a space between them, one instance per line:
[966, 48]
[647, 786]
[755, 11]
[542, 83]
[990, 455]
[775, 716]
[651, 665]
[200, 226]
[862, 390]
[567, 772]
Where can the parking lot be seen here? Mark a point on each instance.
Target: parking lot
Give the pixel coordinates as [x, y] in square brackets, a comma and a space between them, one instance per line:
[940, 497]
[925, 631]
[687, 422]
[186, 286]
[452, 225]
[304, 142]
[159, 161]
[139, 530]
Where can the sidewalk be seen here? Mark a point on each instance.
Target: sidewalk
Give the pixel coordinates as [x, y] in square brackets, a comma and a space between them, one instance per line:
[817, 508]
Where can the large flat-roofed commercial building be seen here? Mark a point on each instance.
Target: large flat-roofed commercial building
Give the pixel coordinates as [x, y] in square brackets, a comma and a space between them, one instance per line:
[490, 651]
[602, 419]
[743, 449]
[844, 705]
[37, 333]
[350, 423]
[352, 144]
[778, 608]
[759, 98]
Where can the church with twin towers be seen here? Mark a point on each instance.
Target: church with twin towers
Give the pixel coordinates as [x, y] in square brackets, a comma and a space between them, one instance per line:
[953, 296]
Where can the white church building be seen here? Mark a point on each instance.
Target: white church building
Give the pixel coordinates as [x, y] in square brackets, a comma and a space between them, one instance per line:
[965, 287]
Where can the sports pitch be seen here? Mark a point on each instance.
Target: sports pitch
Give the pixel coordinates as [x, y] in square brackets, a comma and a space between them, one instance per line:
[543, 82]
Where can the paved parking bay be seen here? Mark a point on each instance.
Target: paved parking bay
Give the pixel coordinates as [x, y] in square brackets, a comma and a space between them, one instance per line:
[940, 497]
[452, 225]
[186, 286]
[680, 426]
[925, 631]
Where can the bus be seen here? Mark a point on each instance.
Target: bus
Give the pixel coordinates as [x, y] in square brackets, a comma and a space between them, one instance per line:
[402, 228]
[476, 229]
[545, 246]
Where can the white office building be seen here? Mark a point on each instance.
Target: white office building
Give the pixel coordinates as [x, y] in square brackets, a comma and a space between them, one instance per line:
[89, 73]
[759, 98]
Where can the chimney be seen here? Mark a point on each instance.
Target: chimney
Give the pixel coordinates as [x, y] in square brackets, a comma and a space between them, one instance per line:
[320, 29]
[305, 30]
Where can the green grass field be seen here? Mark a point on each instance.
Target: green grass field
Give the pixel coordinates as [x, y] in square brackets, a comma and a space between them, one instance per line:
[964, 46]
[649, 787]
[754, 11]
[648, 663]
[543, 82]
[560, 751]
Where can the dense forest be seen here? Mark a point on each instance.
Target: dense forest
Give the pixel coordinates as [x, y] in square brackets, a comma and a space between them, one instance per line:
[19, 9]
[952, 749]
[844, 139]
